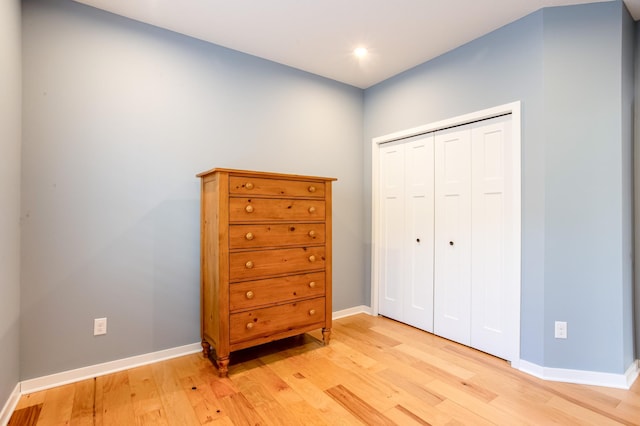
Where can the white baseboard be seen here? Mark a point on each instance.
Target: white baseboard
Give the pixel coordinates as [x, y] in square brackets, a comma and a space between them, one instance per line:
[71, 376]
[10, 406]
[596, 378]
[362, 309]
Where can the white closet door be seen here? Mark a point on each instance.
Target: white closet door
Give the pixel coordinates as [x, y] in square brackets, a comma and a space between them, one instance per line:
[392, 230]
[452, 301]
[406, 220]
[491, 291]
[419, 220]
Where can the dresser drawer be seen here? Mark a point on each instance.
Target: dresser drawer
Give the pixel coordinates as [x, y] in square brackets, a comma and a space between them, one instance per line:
[248, 186]
[270, 235]
[264, 263]
[265, 209]
[264, 322]
[249, 294]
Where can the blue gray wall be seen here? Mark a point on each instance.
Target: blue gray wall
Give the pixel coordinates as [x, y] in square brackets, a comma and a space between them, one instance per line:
[569, 66]
[119, 117]
[10, 130]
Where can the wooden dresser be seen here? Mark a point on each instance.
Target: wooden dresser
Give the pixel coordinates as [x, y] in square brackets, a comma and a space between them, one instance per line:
[265, 259]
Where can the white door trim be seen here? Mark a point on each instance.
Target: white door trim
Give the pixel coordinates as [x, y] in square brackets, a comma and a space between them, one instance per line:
[513, 108]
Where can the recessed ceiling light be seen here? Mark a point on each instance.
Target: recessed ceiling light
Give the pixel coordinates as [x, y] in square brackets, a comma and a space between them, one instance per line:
[360, 52]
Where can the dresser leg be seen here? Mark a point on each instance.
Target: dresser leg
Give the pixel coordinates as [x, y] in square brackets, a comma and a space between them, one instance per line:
[326, 335]
[206, 349]
[223, 366]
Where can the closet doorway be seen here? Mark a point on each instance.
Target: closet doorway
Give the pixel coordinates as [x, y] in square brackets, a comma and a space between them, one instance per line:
[446, 229]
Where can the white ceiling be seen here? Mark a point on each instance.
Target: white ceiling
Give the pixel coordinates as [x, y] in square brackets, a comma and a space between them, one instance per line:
[319, 36]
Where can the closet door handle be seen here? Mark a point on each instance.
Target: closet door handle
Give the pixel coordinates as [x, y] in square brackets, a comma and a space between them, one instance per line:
[450, 243]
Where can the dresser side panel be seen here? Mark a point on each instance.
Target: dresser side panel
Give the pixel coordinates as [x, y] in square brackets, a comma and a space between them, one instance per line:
[328, 256]
[215, 255]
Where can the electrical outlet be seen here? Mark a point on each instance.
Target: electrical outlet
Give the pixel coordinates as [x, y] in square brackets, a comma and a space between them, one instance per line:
[561, 330]
[99, 326]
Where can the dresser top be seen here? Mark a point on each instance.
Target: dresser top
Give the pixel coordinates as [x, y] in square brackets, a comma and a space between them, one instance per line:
[253, 173]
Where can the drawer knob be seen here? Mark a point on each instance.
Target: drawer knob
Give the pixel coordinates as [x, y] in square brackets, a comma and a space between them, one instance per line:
[312, 311]
[248, 185]
[312, 258]
[249, 325]
[249, 209]
[312, 284]
[312, 209]
[249, 236]
[249, 294]
[312, 233]
[312, 188]
[249, 264]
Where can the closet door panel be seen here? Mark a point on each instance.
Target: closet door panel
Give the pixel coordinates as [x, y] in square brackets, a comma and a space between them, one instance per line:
[392, 241]
[452, 300]
[419, 219]
[490, 290]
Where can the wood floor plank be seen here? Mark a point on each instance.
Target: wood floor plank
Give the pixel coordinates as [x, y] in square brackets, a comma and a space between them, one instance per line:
[379, 393]
[411, 383]
[403, 416]
[82, 412]
[464, 415]
[275, 400]
[98, 398]
[27, 416]
[324, 406]
[35, 398]
[406, 334]
[145, 396]
[57, 406]
[501, 384]
[117, 406]
[584, 415]
[356, 406]
[472, 403]
[383, 354]
[176, 404]
[264, 402]
[206, 406]
[628, 410]
[441, 363]
[535, 413]
[240, 411]
[339, 351]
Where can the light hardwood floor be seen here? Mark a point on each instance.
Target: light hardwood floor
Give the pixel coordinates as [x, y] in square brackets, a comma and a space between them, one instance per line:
[375, 371]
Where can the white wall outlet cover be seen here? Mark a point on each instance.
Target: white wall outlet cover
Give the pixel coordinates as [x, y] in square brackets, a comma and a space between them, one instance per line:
[99, 326]
[560, 330]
